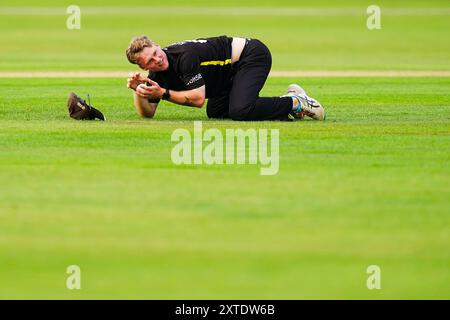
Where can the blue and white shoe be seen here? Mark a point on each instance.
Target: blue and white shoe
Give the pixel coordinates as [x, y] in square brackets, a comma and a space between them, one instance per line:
[305, 105]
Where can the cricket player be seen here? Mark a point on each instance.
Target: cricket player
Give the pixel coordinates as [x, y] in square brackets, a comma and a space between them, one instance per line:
[228, 71]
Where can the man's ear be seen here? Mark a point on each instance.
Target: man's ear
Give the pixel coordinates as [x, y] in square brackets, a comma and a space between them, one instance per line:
[139, 60]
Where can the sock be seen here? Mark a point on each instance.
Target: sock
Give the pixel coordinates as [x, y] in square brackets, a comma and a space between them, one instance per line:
[296, 104]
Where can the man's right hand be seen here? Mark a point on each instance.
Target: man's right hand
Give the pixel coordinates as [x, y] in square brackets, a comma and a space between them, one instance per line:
[135, 80]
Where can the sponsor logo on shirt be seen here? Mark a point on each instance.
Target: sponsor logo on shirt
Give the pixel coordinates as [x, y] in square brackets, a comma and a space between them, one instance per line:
[194, 79]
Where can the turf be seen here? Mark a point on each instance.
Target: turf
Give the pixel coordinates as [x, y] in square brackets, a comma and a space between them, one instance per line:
[368, 186]
[417, 41]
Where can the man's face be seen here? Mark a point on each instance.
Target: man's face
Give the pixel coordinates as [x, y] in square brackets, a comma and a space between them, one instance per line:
[153, 59]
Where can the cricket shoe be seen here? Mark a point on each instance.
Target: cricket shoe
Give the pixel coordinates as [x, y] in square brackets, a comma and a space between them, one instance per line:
[305, 105]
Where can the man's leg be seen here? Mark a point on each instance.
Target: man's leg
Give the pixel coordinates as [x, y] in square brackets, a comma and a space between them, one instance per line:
[218, 107]
[252, 71]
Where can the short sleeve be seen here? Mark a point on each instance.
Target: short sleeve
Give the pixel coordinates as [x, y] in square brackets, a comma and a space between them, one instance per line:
[189, 70]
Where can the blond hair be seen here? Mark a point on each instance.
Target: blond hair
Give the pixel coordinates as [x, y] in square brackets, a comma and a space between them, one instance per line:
[138, 44]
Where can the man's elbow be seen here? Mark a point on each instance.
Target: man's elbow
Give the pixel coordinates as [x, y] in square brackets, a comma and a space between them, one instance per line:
[147, 115]
[199, 102]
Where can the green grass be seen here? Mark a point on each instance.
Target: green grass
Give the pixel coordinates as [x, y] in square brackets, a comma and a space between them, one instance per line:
[368, 186]
[405, 42]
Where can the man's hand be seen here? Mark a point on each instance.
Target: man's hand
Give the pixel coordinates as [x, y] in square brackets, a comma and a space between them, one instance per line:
[153, 91]
[135, 80]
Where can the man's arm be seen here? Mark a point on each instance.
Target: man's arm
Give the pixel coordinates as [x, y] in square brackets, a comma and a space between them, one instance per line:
[192, 98]
[144, 108]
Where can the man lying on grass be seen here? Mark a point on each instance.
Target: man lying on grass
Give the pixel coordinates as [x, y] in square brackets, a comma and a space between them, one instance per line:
[228, 71]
